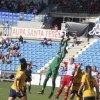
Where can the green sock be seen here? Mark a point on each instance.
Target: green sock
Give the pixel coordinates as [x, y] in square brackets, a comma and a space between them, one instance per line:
[44, 83]
[53, 85]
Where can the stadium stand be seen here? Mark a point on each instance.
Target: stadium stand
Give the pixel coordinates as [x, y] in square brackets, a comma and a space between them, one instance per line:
[79, 6]
[13, 18]
[89, 57]
[31, 51]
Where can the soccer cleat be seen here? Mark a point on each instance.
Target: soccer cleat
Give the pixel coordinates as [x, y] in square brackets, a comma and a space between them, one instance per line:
[29, 92]
[50, 95]
[41, 92]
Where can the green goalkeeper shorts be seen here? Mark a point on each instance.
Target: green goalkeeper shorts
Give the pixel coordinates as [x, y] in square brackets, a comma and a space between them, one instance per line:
[52, 72]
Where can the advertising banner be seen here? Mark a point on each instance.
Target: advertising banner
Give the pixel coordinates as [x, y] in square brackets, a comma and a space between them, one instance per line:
[36, 33]
[49, 83]
[35, 79]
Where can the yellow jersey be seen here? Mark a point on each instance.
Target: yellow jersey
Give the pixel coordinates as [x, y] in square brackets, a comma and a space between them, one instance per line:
[19, 68]
[77, 80]
[89, 86]
[20, 76]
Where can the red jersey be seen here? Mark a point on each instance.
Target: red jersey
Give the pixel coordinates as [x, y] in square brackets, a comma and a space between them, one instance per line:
[95, 74]
[70, 68]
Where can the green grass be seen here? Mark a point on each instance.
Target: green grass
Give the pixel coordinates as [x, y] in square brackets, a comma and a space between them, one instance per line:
[5, 87]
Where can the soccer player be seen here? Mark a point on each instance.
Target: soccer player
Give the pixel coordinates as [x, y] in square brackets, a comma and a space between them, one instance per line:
[76, 84]
[95, 74]
[28, 77]
[54, 66]
[68, 78]
[88, 82]
[16, 88]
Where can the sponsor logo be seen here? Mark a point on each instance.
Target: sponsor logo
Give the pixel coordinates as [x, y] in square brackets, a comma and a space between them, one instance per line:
[95, 30]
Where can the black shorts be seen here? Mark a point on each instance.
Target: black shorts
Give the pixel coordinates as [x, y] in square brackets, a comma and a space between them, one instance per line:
[75, 92]
[89, 98]
[28, 80]
[14, 94]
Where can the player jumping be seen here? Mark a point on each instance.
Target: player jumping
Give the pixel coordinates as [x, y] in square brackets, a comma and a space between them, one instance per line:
[68, 78]
[54, 66]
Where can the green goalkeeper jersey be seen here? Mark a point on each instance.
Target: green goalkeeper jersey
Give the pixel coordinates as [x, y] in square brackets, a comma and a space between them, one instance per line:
[56, 61]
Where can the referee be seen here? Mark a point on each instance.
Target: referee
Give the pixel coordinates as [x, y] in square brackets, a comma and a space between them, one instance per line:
[28, 77]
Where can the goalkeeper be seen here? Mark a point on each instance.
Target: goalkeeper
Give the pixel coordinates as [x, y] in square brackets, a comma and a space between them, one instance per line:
[54, 66]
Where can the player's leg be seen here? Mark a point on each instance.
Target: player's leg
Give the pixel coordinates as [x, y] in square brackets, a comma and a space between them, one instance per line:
[23, 98]
[59, 91]
[29, 86]
[53, 87]
[68, 85]
[11, 98]
[72, 95]
[54, 75]
[63, 82]
[12, 94]
[48, 74]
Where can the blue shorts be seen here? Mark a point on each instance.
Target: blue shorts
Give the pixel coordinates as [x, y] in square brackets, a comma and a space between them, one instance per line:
[13, 93]
[89, 98]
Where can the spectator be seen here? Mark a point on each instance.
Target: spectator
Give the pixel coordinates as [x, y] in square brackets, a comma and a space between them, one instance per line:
[44, 42]
[27, 10]
[10, 53]
[66, 32]
[43, 25]
[1, 55]
[6, 27]
[21, 39]
[21, 17]
[35, 11]
[16, 53]
[74, 39]
[7, 41]
[4, 37]
[16, 46]
[49, 42]
[7, 60]
[4, 46]
[55, 27]
[12, 45]
[3, 60]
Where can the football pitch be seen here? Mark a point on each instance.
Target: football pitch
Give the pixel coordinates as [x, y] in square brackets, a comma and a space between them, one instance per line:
[5, 87]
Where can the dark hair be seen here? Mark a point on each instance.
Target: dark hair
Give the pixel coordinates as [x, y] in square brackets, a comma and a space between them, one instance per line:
[23, 64]
[72, 58]
[88, 70]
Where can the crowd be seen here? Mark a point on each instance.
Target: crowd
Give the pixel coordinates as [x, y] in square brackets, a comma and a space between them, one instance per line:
[47, 42]
[22, 6]
[12, 48]
[90, 6]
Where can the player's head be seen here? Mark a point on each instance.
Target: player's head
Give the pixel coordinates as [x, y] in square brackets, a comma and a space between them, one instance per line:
[23, 64]
[71, 60]
[88, 71]
[94, 68]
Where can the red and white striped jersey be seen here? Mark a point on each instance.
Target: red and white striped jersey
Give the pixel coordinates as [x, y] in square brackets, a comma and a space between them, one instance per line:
[70, 68]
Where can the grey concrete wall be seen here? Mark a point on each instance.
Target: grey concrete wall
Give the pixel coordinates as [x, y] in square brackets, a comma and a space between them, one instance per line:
[31, 24]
